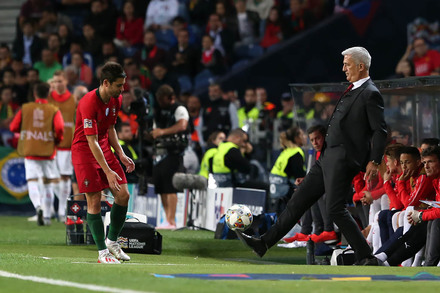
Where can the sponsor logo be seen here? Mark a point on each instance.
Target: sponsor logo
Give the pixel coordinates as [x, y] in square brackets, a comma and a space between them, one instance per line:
[135, 243]
[88, 123]
[86, 182]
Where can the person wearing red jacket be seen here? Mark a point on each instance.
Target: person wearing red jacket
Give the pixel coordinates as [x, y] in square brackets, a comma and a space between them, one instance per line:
[431, 161]
[412, 241]
[41, 128]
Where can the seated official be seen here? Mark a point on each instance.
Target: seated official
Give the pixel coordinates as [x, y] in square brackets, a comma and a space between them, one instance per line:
[214, 140]
[229, 165]
[289, 165]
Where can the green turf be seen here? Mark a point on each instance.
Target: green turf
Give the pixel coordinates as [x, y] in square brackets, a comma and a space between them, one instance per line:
[23, 246]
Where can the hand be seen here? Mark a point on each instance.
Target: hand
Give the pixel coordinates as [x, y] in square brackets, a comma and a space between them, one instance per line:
[387, 175]
[298, 181]
[113, 178]
[371, 171]
[247, 149]
[367, 199]
[406, 174]
[155, 133]
[128, 163]
[414, 217]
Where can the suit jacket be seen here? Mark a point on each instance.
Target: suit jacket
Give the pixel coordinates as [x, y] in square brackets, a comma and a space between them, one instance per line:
[362, 126]
[36, 48]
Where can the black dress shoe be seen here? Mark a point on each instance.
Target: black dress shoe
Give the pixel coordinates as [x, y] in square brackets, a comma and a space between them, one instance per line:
[372, 261]
[256, 244]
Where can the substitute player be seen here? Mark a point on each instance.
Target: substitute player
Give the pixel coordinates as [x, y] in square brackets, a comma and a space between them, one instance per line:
[65, 101]
[41, 127]
[96, 167]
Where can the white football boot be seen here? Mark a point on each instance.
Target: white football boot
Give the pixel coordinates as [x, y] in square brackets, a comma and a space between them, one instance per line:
[115, 248]
[107, 258]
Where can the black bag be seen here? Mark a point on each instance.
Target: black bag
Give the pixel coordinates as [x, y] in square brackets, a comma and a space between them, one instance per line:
[346, 258]
[138, 237]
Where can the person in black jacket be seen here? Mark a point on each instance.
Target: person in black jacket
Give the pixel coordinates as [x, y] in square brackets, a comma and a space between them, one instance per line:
[355, 141]
[28, 39]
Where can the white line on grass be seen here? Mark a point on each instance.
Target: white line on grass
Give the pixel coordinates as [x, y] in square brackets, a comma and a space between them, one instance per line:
[63, 283]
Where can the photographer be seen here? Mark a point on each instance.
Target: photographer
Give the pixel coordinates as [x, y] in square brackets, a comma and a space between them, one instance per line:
[170, 131]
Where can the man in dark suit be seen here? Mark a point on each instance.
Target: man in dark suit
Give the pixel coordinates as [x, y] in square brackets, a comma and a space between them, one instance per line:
[355, 141]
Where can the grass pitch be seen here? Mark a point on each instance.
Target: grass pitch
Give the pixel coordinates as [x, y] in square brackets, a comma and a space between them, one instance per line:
[29, 250]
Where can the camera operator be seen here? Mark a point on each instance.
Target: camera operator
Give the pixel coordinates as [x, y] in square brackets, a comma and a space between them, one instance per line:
[170, 134]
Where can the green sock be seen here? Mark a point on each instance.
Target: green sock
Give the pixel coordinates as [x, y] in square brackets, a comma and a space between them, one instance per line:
[97, 228]
[117, 220]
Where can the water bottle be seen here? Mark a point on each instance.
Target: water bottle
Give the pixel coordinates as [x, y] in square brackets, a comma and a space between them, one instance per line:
[310, 252]
[79, 225]
[70, 231]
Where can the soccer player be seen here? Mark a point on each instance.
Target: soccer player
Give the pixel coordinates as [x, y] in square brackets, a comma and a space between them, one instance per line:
[41, 128]
[65, 101]
[96, 167]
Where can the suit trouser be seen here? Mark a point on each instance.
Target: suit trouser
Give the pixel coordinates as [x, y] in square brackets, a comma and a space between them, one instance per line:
[312, 217]
[332, 174]
[432, 249]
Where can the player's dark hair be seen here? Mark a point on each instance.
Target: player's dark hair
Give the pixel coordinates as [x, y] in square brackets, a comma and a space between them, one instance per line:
[112, 71]
[394, 150]
[431, 141]
[319, 127]
[412, 151]
[432, 151]
[41, 90]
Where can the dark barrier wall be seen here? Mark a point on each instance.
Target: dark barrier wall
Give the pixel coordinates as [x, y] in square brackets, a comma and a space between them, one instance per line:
[315, 56]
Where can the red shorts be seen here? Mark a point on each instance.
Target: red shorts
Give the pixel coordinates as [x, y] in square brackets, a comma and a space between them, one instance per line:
[91, 178]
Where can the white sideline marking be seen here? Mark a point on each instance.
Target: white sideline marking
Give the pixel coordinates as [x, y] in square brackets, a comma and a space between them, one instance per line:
[63, 283]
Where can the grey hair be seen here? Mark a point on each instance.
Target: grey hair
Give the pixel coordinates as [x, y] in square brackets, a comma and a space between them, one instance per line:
[359, 55]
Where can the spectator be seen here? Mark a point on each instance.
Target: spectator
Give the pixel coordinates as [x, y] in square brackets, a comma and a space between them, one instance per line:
[161, 77]
[199, 11]
[125, 115]
[223, 38]
[5, 56]
[183, 60]
[32, 78]
[83, 70]
[108, 50]
[102, 19]
[249, 113]
[150, 55]
[128, 35]
[247, 25]
[72, 78]
[76, 47]
[160, 13]
[54, 45]
[262, 7]
[91, 42]
[299, 18]
[426, 61]
[50, 22]
[32, 10]
[7, 108]
[211, 63]
[194, 106]
[76, 10]
[401, 134]
[405, 67]
[65, 39]
[226, 12]
[78, 93]
[217, 114]
[48, 65]
[274, 31]
[27, 47]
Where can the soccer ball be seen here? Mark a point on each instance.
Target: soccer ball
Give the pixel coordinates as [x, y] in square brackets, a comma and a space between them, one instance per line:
[239, 217]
